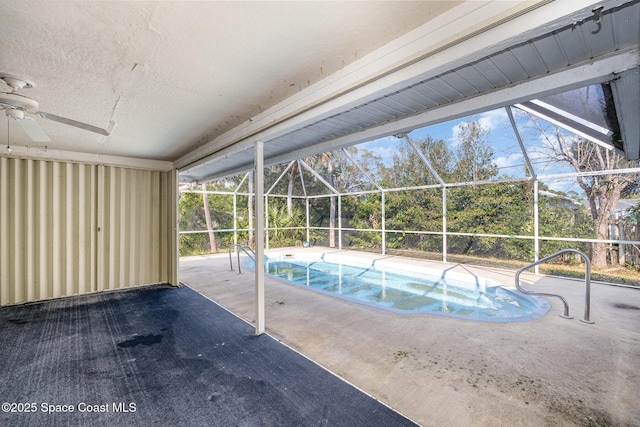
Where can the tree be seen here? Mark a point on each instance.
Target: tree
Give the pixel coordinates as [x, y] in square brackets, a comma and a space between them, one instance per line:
[213, 247]
[478, 208]
[293, 173]
[332, 220]
[474, 156]
[409, 169]
[602, 190]
[251, 239]
[190, 218]
[327, 160]
[416, 210]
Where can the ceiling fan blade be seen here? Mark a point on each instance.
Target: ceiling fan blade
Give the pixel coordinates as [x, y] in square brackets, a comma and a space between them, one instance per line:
[33, 129]
[74, 123]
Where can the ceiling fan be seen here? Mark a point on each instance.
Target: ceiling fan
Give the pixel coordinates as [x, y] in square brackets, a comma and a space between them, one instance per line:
[16, 105]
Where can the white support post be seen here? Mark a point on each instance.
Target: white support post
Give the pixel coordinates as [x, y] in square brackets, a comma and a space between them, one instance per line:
[536, 229]
[384, 227]
[444, 224]
[235, 219]
[306, 199]
[259, 215]
[266, 222]
[339, 222]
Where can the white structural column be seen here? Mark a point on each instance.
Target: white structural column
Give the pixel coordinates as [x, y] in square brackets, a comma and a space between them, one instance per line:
[384, 224]
[235, 218]
[444, 224]
[536, 225]
[259, 223]
[266, 222]
[306, 200]
[339, 222]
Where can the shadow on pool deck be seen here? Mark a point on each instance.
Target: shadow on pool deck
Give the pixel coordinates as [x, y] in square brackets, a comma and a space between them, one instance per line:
[442, 371]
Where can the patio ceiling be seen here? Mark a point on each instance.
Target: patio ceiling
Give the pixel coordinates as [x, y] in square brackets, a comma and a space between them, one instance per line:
[193, 85]
[545, 51]
[174, 75]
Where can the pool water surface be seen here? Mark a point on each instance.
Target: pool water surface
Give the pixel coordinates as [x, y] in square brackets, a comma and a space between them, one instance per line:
[443, 293]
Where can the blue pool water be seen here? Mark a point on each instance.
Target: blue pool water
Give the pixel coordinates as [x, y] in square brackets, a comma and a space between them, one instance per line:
[450, 294]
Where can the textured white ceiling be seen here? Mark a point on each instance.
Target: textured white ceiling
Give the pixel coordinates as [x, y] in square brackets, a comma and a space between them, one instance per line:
[174, 75]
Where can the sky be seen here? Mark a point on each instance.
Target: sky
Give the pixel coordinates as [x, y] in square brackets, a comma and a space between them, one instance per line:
[508, 155]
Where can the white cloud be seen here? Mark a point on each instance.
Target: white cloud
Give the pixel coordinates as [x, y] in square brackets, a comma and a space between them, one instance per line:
[490, 120]
[494, 119]
[514, 159]
[386, 148]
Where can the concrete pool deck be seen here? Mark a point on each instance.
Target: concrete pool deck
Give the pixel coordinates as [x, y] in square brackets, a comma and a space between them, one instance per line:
[442, 371]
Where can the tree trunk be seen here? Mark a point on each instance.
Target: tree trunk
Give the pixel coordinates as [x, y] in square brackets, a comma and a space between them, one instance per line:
[251, 239]
[292, 178]
[599, 251]
[603, 194]
[621, 236]
[604, 210]
[332, 222]
[603, 191]
[207, 215]
[332, 208]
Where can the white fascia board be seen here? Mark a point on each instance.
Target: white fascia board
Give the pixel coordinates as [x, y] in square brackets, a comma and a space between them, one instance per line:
[475, 23]
[87, 158]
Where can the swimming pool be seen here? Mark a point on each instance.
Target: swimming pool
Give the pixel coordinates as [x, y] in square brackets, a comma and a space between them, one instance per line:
[406, 289]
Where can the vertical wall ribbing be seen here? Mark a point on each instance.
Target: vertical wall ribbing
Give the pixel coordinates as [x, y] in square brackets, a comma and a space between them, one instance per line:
[43, 235]
[31, 227]
[54, 249]
[83, 257]
[4, 230]
[166, 241]
[40, 238]
[70, 232]
[19, 253]
[69, 228]
[101, 210]
[138, 227]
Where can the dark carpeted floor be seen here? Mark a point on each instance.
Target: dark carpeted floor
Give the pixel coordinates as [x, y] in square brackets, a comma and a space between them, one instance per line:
[162, 356]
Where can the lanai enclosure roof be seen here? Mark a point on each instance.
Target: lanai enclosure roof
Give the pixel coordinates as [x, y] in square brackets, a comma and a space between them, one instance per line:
[189, 88]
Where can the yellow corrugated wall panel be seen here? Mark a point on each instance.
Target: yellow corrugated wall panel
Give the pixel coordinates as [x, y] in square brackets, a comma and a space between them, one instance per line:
[168, 237]
[133, 228]
[70, 228]
[46, 243]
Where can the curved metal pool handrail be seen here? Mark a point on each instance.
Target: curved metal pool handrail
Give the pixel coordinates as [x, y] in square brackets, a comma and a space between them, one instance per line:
[244, 248]
[587, 281]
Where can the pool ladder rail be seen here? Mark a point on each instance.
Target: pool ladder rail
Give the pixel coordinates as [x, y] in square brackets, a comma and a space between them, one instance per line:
[587, 281]
[246, 249]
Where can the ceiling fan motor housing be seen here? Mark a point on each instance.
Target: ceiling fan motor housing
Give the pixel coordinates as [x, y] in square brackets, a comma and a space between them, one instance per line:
[18, 102]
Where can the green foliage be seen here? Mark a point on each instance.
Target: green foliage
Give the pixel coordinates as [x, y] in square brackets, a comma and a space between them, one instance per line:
[475, 157]
[409, 169]
[501, 209]
[414, 210]
[363, 212]
[191, 218]
[634, 213]
[284, 235]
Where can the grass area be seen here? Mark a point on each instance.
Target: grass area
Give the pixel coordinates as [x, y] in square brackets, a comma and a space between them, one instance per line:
[616, 274]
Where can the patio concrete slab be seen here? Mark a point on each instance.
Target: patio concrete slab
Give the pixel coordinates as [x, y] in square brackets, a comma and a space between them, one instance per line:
[442, 371]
